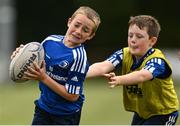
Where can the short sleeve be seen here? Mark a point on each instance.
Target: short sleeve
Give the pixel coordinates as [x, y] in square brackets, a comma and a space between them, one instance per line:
[158, 67]
[116, 58]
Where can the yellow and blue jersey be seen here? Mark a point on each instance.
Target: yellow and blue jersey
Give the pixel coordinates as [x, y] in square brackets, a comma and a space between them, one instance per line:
[153, 97]
[67, 66]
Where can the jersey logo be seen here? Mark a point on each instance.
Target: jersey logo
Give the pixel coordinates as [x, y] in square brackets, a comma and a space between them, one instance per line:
[134, 89]
[64, 64]
[74, 79]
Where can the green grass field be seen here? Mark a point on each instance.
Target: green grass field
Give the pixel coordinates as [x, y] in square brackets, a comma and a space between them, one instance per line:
[103, 106]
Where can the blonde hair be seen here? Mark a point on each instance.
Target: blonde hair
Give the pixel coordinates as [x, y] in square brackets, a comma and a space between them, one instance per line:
[90, 13]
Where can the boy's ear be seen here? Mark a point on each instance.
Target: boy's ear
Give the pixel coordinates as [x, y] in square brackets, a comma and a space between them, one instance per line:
[153, 41]
[69, 21]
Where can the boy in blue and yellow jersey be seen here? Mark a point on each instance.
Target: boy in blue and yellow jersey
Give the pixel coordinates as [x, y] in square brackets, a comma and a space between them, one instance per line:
[148, 88]
[62, 75]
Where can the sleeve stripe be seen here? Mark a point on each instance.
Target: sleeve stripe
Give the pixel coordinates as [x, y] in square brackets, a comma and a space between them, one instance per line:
[72, 89]
[120, 52]
[75, 60]
[150, 65]
[69, 88]
[84, 62]
[80, 59]
[147, 67]
[151, 69]
[159, 61]
[115, 62]
[113, 59]
[155, 60]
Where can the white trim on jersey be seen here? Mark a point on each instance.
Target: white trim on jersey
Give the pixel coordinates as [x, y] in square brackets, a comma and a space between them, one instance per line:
[80, 60]
[72, 89]
[54, 38]
[150, 64]
[84, 61]
[156, 60]
[114, 60]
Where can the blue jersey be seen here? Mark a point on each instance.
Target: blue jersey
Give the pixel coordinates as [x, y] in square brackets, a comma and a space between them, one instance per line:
[156, 66]
[67, 66]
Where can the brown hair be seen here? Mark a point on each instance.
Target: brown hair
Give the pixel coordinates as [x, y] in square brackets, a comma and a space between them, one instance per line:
[90, 13]
[146, 21]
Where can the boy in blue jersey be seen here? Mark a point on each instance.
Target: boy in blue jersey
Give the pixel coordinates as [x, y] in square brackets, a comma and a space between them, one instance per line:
[148, 88]
[62, 74]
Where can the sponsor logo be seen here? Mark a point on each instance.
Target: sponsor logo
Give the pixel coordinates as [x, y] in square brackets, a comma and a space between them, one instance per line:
[74, 79]
[56, 77]
[134, 89]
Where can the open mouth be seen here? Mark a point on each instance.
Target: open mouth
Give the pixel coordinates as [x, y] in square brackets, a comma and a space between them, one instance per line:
[75, 38]
[134, 47]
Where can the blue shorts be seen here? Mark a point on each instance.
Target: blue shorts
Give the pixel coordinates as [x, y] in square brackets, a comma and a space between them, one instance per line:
[42, 117]
[169, 119]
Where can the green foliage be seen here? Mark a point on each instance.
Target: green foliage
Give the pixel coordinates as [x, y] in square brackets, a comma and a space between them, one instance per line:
[103, 106]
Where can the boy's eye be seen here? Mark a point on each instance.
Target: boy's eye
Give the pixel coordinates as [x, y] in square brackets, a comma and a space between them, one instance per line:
[136, 35]
[76, 25]
[130, 35]
[86, 30]
[139, 36]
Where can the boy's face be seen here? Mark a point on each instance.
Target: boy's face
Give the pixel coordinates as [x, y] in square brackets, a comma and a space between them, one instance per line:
[80, 29]
[138, 41]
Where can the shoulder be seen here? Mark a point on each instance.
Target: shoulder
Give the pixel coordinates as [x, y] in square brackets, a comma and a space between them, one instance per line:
[158, 67]
[158, 57]
[56, 38]
[159, 53]
[79, 52]
[80, 63]
[52, 40]
[156, 60]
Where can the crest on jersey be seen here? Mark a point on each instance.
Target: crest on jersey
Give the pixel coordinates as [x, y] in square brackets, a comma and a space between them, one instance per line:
[64, 64]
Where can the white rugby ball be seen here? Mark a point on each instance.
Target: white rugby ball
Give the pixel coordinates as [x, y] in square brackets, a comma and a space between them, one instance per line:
[31, 52]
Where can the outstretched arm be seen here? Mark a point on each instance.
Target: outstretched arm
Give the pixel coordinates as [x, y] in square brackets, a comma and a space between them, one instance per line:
[99, 69]
[129, 79]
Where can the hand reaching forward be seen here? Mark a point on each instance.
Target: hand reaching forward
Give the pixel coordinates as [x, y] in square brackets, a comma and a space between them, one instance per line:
[113, 79]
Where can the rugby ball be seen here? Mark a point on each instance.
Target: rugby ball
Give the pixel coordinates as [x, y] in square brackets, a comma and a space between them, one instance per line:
[31, 52]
